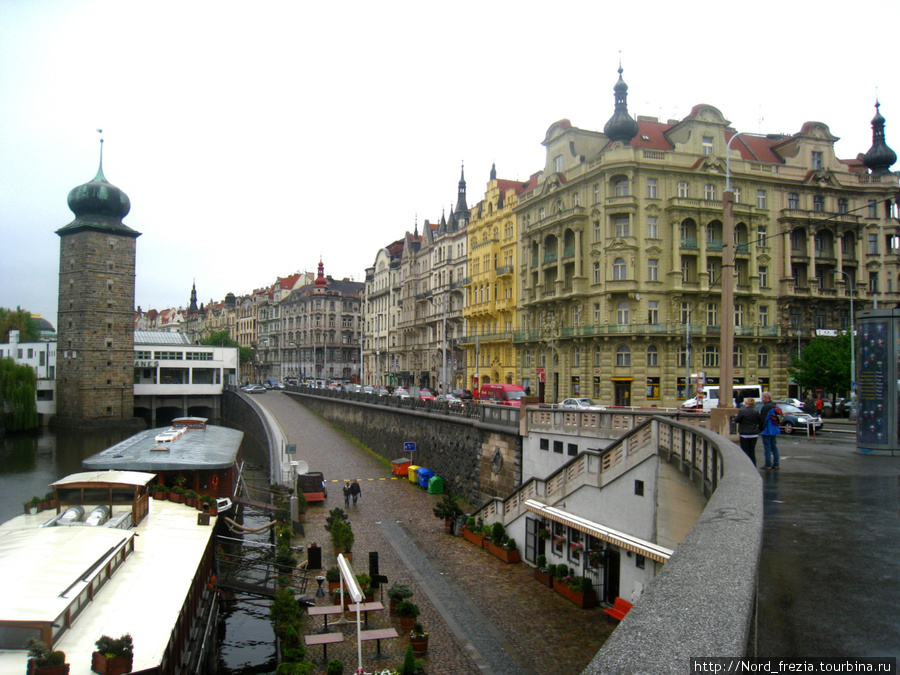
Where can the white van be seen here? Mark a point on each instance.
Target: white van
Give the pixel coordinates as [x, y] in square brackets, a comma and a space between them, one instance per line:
[711, 396]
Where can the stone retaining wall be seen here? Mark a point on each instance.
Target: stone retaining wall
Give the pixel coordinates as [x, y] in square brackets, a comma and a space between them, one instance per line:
[476, 461]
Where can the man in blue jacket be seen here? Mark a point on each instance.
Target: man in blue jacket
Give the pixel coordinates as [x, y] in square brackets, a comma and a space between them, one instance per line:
[769, 431]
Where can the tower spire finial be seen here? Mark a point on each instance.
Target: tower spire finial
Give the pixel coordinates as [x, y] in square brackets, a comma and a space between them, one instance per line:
[100, 175]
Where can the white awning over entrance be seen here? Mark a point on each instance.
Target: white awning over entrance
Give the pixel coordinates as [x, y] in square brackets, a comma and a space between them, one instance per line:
[620, 539]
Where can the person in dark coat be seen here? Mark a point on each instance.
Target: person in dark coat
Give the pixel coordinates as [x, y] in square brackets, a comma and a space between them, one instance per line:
[346, 494]
[748, 422]
[355, 490]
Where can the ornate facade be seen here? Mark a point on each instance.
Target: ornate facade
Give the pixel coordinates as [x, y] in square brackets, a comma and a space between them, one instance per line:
[621, 252]
[382, 316]
[491, 290]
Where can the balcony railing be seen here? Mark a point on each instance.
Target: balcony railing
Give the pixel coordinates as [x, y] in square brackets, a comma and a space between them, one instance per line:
[689, 242]
[680, 329]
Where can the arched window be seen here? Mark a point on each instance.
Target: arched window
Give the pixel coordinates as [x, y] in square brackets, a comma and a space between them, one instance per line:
[652, 356]
[762, 358]
[622, 187]
[623, 356]
[711, 356]
[620, 271]
[623, 314]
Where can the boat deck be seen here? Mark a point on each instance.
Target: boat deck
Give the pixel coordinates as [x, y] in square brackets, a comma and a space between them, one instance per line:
[144, 597]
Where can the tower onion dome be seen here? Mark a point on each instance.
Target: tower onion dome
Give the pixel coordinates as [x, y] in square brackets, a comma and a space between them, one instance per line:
[321, 281]
[880, 157]
[99, 205]
[621, 126]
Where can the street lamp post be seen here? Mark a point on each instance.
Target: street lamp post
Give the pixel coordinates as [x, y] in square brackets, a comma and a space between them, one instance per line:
[852, 350]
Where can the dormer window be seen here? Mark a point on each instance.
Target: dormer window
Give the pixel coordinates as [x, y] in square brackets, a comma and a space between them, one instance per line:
[707, 145]
[817, 162]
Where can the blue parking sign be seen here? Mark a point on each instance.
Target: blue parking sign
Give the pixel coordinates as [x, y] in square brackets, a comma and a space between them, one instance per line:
[409, 446]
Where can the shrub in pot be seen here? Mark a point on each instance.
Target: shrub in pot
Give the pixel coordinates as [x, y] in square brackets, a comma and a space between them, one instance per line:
[407, 612]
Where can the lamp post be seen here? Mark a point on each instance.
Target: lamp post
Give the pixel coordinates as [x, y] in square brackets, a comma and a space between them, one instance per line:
[852, 350]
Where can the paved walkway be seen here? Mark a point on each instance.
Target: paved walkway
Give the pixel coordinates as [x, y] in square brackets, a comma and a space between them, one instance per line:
[483, 616]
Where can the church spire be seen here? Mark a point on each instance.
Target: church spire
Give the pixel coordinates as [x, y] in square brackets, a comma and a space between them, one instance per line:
[461, 207]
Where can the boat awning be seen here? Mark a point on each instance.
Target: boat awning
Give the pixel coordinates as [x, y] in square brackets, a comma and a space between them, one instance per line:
[113, 477]
[614, 537]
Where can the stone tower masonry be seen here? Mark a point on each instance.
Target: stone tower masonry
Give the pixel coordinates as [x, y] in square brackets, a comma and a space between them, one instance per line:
[95, 349]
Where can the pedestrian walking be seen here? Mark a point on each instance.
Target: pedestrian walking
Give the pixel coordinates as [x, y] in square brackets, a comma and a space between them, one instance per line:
[769, 430]
[738, 399]
[748, 422]
[355, 490]
[347, 494]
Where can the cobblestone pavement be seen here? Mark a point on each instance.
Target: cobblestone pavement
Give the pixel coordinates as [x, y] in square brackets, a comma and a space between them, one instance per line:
[483, 616]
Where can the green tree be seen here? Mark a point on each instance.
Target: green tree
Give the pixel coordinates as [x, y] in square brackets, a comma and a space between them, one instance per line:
[18, 405]
[21, 321]
[824, 362]
[223, 339]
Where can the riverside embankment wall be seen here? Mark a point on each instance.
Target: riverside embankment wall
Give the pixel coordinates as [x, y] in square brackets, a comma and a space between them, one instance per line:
[476, 460]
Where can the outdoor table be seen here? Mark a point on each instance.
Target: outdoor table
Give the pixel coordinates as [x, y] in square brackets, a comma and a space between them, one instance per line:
[365, 607]
[324, 640]
[325, 611]
[378, 635]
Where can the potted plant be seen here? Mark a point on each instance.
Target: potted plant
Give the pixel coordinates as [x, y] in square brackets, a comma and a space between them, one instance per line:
[160, 491]
[576, 589]
[501, 545]
[340, 598]
[473, 532]
[542, 573]
[176, 494]
[335, 667]
[333, 577]
[190, 498]
[418, 638]
[407, 612]
[335, 515]
[44, 661]
[50, 500]
[342, 537]
[114, 656]
[31, 506]
[543, 533]
[448, 510]
[365, 583]
[208, 504]
[397, 594]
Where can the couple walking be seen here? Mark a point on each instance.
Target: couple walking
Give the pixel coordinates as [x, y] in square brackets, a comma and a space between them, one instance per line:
[753, 423]
[351, 490]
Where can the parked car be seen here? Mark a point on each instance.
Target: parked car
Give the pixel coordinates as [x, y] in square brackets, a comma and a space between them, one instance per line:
[796, 402]
[582, 404]
[254, 389]
[425, 395]
[382, 391]
[449, 399]
[368, 389]
[794, 418]
[462, 394]
[400, 392]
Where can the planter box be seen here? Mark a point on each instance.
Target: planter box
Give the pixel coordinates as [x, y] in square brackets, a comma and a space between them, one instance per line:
[477, 539]
[502, 553]
[419, 645]
[543, 577]
[583, 600]
[117, 665]
[62, 669]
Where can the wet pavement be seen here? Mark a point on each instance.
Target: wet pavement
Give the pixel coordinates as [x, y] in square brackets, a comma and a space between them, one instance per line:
[483, 616]
[828, 582]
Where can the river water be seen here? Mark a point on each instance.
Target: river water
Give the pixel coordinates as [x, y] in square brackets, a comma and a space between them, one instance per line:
[30, 462]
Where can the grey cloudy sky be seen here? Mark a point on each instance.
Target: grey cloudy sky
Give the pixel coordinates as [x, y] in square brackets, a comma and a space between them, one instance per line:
[253, 138]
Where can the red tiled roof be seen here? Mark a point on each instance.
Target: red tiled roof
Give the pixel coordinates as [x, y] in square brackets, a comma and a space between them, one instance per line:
[655, 135]
[755, 147]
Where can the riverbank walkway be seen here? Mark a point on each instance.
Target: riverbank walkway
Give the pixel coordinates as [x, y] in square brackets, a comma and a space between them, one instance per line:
[830, 536]
[483, 616]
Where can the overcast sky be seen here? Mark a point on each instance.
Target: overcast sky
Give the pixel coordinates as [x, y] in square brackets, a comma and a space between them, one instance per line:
[254, 138]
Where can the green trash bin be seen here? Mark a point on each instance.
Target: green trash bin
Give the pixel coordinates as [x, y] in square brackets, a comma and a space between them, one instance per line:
[412, 470]
[435, 485]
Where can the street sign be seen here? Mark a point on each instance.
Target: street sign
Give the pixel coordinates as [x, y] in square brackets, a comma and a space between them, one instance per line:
[409, 446]
[291, 449]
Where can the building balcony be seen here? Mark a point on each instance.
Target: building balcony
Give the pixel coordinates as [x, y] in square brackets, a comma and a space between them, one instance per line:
[550, 257]
[689, 242]
[636, 329]
[713, 244]
[504, 270]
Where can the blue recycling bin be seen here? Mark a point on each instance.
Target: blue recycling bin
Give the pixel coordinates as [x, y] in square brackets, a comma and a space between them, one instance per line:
[423, 475]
